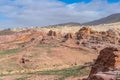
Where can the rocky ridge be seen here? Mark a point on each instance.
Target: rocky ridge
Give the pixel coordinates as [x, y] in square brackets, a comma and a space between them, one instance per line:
[86, 37]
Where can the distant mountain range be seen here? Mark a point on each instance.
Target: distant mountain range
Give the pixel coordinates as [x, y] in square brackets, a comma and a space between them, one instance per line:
[65, 24]
[109, 19]
[106, 20]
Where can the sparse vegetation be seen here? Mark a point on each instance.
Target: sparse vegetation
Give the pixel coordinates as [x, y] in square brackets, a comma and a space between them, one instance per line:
[22, 78]
[64, 73]
[47, 45]
[10, 51]
[21, 44]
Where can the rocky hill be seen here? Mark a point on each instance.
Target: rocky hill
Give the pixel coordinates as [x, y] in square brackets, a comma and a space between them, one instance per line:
[109, 19]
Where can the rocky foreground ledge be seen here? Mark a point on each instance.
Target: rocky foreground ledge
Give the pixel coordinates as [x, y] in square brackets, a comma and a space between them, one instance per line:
[107, 65]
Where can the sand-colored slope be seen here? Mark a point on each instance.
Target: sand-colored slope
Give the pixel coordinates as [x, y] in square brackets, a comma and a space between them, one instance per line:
[45, 57]
[26, 38]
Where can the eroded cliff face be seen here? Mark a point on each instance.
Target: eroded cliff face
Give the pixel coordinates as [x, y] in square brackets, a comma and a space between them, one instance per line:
[107, 65]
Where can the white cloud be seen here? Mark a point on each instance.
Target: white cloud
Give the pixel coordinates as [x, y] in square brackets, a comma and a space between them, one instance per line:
[47, 12]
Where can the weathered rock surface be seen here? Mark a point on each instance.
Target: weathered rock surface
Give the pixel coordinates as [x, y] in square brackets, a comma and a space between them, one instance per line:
[68, 36]
[52, 33]
[97, 40]
[83, 33]
[7, 38]
[107, 65]
[86, 37]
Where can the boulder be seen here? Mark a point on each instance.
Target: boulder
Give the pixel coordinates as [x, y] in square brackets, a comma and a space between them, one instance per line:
[108, 60]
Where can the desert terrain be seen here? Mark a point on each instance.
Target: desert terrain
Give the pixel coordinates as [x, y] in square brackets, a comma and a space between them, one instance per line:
[59, 53]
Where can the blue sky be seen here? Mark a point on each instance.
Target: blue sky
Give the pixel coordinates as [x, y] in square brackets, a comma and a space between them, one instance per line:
[28, 13]
[85, 1]
[75, 1]
[113, 1]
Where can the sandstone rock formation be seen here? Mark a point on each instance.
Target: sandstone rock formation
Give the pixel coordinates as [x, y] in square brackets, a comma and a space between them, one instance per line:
[87, 37]
[52, 33]
[107, 65]
[83, 33]
[68, 36]
[112, 36]
[112, 33]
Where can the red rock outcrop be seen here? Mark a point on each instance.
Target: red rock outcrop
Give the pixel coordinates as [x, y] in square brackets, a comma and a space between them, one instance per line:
[68, 36]
[112, 33]
[83, 33]
[69, 39]
[52, 33]
[97, 40]
[28, 37]
[112, 36]
[108, 60]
